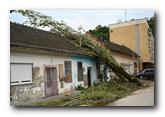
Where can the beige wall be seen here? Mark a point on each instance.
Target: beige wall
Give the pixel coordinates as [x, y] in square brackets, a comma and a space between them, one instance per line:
[121, 36]
[124, 59]
[126, 35]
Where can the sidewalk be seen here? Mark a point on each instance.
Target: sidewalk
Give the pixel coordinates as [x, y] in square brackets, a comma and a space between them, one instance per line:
[142, 97]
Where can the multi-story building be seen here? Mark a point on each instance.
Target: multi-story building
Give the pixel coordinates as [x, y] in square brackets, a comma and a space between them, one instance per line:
[137, 36]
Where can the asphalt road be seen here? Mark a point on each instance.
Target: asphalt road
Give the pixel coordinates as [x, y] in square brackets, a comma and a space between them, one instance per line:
[142, 97]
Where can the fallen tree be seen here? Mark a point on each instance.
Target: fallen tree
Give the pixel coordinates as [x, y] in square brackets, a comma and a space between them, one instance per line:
[38, 20]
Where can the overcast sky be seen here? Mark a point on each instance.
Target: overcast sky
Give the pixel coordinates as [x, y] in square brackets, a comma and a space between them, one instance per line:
[89, 19]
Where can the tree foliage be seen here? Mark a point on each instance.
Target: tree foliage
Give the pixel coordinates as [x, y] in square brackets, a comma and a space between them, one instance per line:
[151, 23]
[101, 32]
[37, 20]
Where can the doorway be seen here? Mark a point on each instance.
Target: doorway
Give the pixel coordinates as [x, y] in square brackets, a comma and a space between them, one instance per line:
[51, 85]
[89, 76]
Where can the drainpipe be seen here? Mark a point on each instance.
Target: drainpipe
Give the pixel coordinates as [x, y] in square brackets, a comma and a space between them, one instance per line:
[137, 39]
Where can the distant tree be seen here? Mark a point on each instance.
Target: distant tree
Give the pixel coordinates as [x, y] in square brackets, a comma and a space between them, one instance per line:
[101, 32]
[132, 19]
[151, 23]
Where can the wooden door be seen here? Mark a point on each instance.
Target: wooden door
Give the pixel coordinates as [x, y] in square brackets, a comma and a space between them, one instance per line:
[51, 81]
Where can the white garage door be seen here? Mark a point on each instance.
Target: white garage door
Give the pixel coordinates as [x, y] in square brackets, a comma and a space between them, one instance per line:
[21, 73]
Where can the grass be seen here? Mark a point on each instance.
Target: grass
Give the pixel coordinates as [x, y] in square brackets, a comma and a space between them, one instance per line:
[99, 95]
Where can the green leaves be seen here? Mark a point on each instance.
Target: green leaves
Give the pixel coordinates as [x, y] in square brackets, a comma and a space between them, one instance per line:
[151, 23]
[98, 95]
[101, 32]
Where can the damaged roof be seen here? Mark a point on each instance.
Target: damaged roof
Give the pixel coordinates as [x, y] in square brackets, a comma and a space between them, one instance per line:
[120, 48]
[25, 36]
[113, 46]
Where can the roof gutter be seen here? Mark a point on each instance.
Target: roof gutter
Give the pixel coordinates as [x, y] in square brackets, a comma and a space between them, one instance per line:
[46, 48]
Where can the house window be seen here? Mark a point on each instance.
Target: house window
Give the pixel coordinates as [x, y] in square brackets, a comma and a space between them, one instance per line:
[68, 71]
[21, 73]
[80, 71]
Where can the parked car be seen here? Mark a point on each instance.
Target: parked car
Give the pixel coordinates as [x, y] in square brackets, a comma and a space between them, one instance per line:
[147, 74]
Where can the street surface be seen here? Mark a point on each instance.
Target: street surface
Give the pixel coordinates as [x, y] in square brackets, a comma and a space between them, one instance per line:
[142, 97]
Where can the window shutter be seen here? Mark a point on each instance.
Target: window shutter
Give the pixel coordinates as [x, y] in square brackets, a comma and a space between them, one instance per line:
[61, 72]
[21, 73]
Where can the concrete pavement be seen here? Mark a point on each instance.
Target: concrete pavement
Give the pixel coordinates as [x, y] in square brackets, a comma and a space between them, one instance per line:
[142, 97]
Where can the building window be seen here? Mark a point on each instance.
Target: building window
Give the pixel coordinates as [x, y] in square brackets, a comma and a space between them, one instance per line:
[68, 71]
[21, 73]
[80, 71]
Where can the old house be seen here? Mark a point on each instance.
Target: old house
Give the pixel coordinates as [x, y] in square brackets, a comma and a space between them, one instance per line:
[45, 64]
[137, 36]
[122, 54]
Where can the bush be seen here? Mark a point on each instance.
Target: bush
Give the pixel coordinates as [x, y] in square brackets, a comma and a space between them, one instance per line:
[80, 87]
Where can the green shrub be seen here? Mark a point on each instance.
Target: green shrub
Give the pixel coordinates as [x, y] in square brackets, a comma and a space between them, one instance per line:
[80, 87]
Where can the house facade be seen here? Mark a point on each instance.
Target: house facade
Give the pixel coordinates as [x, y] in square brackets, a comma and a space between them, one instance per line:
[137, 36]
[43, 64]
[124, 56]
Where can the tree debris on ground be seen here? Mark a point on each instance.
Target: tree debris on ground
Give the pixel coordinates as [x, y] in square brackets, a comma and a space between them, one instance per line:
[101, 94]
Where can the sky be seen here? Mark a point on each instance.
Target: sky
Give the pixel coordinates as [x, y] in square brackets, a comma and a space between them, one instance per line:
[89, 19]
